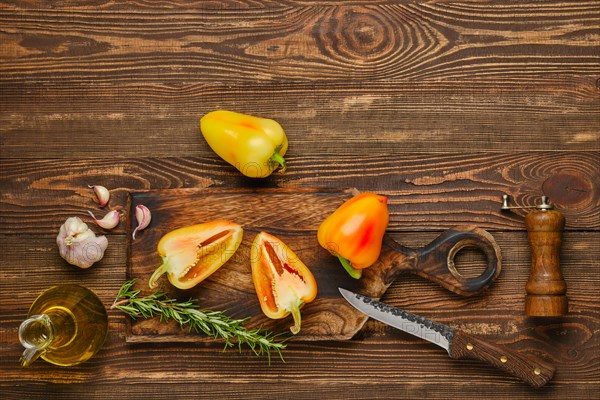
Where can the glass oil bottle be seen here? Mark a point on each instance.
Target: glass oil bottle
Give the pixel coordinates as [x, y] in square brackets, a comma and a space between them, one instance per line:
[66, 325]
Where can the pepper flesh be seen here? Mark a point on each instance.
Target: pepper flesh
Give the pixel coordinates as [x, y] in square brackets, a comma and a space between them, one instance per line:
[354, 232]
[191, 254]
[283, 283]
[253, 145]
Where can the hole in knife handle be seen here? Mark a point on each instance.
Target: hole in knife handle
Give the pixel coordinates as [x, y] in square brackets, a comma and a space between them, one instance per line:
[466, 262]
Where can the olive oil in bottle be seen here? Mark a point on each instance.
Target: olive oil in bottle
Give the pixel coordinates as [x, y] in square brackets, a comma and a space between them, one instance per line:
[66, 325]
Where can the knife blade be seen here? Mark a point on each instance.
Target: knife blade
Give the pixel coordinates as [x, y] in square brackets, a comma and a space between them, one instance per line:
[458, 344]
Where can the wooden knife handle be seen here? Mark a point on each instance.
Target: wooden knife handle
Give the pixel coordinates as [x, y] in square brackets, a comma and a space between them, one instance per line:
[527, 368]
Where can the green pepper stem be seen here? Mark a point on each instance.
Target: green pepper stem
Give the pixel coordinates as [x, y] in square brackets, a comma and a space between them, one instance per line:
[152, 282]
[278, 158]
[297, 318]
[353, 272]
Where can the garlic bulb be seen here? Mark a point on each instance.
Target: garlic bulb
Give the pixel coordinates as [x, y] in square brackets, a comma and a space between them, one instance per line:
[78, 245]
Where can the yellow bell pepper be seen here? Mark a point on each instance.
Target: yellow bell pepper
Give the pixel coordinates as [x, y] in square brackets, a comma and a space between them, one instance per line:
[354, 232]
[283, 283]
[192, 253]
[253, 145]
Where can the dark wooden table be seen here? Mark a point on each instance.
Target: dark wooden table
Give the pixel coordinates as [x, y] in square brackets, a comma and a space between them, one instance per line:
[441, 106]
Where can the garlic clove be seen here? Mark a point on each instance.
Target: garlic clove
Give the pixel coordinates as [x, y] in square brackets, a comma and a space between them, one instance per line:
[102, 193]
[78, 245]
[143, 217]
[109, 221]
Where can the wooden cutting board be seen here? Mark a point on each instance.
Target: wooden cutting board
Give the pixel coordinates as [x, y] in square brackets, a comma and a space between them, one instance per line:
[292, 215]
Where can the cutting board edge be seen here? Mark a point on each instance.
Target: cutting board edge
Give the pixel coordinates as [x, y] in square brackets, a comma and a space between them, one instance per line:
[244, 190]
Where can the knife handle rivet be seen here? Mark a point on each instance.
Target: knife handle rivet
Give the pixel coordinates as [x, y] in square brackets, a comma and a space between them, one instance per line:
[537, 371]
[469, 346]
[503, 359]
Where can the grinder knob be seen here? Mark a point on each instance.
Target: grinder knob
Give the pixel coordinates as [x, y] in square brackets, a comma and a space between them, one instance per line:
[546, 288]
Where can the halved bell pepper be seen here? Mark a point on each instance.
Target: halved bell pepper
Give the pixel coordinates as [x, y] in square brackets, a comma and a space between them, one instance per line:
[354, 232]
[191, 254]
[283, 283]
[255, 146]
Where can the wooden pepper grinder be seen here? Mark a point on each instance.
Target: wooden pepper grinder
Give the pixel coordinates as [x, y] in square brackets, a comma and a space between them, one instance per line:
[546, 288]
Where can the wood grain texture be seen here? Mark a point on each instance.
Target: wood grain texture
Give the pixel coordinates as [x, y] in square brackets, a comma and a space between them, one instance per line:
[443, 106]
[532, 370]
[426, 191]
[241, 41]
[391, 355]
[357, 118]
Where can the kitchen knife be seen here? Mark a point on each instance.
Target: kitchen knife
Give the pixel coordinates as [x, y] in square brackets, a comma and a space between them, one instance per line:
[458, 344]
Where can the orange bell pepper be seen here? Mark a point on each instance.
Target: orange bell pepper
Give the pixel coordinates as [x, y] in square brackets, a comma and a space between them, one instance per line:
[193, 253]
[283, 283]
[354, 232]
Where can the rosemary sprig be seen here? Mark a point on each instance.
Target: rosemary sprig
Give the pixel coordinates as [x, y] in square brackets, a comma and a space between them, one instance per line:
[188, 313]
